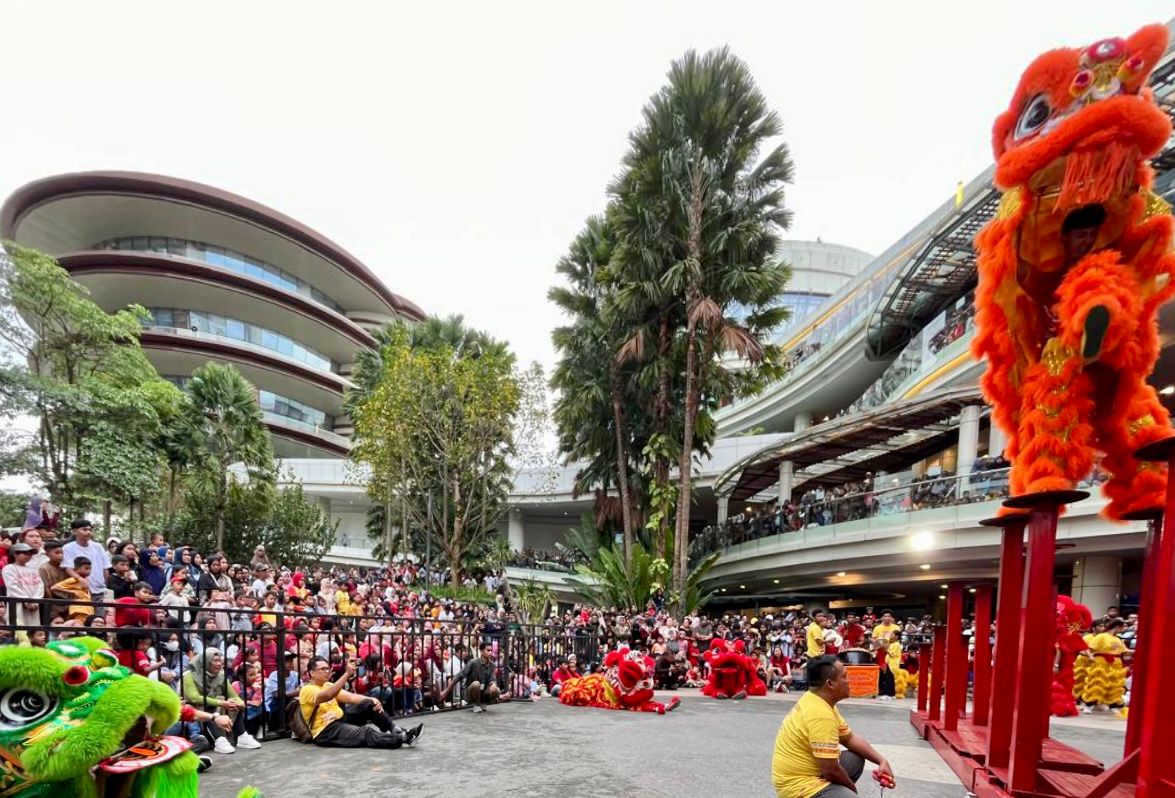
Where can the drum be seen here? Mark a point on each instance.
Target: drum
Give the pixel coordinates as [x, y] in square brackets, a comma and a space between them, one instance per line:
[856, 656]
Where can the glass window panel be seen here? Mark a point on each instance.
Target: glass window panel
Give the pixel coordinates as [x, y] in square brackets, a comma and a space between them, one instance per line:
[235, 329]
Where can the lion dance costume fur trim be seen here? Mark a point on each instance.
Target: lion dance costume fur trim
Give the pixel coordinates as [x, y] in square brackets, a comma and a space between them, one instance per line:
[76, 724]
[732, 672]
[1072, 620]
[1073, 270]
[626, 683]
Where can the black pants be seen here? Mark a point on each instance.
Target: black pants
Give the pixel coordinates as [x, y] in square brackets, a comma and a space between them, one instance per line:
[212, 731]
[885, 683]
[854, 765]
[352, 731]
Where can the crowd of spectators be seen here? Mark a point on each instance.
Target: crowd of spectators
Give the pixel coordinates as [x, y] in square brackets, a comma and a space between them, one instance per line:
[852, 501]
[956, 324]
[544, 560]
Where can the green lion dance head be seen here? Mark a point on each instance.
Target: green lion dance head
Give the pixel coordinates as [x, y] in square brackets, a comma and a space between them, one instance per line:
[69, 706]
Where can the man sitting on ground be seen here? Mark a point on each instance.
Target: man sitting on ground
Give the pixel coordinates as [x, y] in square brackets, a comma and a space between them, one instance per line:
[478, 674]
[362, 724]
[808, 762]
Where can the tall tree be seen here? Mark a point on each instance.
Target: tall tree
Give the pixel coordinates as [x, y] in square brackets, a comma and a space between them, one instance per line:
[79, 371]
[709, 206]
[592, 382]
[222, 425]
[434, 432]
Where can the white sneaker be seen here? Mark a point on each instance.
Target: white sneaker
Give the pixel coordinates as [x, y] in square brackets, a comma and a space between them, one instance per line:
[223, 746]
[247, 740]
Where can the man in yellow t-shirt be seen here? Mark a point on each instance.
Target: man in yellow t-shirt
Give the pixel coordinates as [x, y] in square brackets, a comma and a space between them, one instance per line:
[362, 724]
[808, 761]
[815, 635]
[884, 630]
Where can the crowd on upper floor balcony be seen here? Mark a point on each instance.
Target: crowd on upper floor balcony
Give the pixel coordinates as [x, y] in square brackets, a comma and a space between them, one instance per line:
[956, 324]
[543, 560]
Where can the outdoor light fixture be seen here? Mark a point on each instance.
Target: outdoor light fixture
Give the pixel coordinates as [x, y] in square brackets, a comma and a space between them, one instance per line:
[1170, 389]
[925, 566]
[776, 581]
[742, 587]
[942, 597]
[972, 590]
[922, 541]
[944, 587]
[723, 590]
[840, 573]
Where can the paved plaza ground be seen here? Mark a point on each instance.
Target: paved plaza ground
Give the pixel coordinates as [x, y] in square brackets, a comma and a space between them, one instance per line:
[543, 749]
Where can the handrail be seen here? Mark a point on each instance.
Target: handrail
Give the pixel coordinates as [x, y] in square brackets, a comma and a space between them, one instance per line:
[979, 486]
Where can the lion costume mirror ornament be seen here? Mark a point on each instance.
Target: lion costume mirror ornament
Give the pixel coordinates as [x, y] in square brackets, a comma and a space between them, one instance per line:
[1073, 270]
[76, 724]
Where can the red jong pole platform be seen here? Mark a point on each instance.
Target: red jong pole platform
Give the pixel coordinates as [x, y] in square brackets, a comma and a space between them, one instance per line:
[1155, 730]
[1007, 633]
[981, 699]
[955, 683]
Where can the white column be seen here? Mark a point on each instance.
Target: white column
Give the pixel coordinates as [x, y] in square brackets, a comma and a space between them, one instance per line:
[997, 439]
[514, 529]
[802, 422]
[1097, 581]
[723, 508]
[968, 440]
[786, 479]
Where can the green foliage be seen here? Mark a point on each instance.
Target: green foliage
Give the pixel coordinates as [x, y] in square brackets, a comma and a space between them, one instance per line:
[293, 530]
[532, 601]
[221, 424]
[471, 595]
[606, 581]
[681, 271]
[433, 426]
[79, 371]
[12, 508]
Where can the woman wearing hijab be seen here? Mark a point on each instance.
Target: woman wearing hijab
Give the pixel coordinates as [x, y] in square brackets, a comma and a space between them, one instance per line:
[205, 687]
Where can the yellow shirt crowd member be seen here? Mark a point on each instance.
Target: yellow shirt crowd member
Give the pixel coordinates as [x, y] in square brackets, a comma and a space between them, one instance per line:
[815, 639]
[883, 631]
[893, 655]
[812, 730]
[328, 711]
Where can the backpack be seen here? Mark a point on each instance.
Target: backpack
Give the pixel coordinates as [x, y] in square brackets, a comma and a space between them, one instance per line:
[298, 726]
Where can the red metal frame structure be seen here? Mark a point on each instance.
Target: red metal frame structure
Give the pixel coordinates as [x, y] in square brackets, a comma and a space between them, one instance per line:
[1003, 749]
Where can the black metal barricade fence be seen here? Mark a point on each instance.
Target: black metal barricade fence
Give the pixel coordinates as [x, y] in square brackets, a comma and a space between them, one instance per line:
[406, 663]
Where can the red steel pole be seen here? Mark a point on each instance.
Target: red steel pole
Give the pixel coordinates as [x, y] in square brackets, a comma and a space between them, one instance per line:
[1142, 642]
[1030, 720]
[982, 638]
[956, 680]
[1156, 765]
[938, 666]
[923, 676]
[1007, 642]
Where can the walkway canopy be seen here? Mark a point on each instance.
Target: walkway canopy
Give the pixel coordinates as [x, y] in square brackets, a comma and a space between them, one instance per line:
[887, 438]
[941, 272]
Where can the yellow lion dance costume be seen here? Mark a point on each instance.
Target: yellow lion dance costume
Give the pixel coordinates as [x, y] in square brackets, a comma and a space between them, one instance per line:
[1073, 270]
[1105, 672]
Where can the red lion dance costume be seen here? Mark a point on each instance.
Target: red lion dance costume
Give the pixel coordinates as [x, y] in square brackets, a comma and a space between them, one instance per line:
[1073, 269]
[626, 683]
[1072, 620]
[732, 672]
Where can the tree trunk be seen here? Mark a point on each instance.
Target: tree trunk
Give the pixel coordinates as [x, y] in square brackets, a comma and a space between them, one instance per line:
[456, 548]
[693, 297]
[388, 522]
[621, 461]
[106, 518]
[661, 422]
[171, 493]
[221, 502]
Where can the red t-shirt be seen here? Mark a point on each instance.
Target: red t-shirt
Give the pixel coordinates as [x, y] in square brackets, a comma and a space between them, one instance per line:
[853, 634]
[131, 612]
[135, 660]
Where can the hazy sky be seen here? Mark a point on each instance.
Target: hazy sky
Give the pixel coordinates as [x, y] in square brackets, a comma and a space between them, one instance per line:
[457, 147]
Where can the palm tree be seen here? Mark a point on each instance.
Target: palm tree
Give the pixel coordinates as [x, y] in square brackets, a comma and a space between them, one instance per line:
[716, 208]
[222, 425]
[591, 411]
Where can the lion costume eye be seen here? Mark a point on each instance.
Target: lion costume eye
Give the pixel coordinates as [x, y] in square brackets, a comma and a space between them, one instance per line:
[21, 707]
[1033, 117]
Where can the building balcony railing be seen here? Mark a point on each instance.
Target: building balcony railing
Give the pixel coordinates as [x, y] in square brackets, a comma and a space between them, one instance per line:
[926, 494]
[277, 419]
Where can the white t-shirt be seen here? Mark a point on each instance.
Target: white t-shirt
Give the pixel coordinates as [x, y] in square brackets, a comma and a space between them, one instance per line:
[99, 560]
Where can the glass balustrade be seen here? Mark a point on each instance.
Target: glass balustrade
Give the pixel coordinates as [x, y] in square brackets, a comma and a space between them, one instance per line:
[815, 510]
